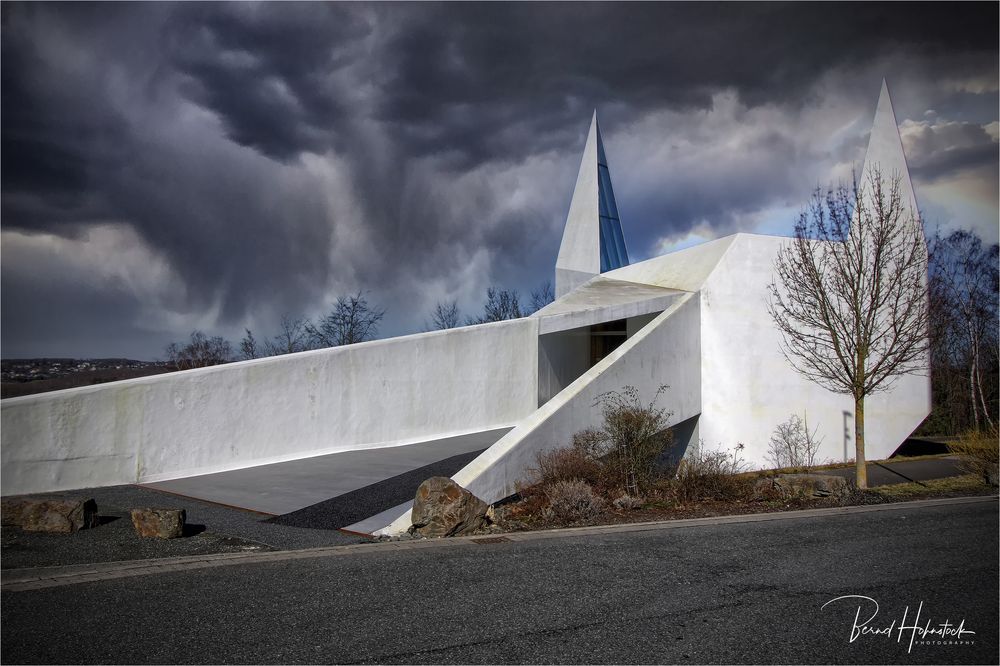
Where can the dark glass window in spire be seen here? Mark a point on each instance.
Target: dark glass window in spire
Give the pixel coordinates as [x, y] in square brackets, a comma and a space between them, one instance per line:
[613, 252]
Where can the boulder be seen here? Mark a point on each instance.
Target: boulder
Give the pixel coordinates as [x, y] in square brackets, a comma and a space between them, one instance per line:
[442, 508]
[50, 515]
[11, 512]
[161, 523]
[804, 485]
[990, 477]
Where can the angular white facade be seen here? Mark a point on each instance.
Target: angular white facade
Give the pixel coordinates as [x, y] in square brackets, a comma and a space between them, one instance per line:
[694, 320]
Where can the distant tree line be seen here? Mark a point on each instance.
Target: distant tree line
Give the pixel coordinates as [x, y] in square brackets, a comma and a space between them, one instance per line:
[964, 316]
[352, 319]
[500, 305]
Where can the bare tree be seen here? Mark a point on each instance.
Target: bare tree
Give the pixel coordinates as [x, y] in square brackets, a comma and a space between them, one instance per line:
[792, 445]
[248, 346]
[445, 315]
[964, 309]
[200, 351]
[500, 304]
[542, 296]
[291, 338]
[351, 320]
[850, 298]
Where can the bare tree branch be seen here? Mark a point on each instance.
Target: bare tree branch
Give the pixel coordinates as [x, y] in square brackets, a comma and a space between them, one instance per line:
[850, 293]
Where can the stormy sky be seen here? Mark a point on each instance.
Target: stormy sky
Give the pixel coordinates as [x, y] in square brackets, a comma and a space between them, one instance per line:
[167, 167]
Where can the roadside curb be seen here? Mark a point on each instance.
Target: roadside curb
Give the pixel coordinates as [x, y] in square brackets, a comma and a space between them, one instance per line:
[23, 580]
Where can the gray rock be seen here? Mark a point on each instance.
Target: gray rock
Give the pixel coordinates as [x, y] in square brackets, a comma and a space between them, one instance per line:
[50, 515]
[803, 485]
[161, 523]
[990, 477]
[442, 508]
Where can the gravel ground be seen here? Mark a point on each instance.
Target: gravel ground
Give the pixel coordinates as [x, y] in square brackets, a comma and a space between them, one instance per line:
[362, 503]
[212, 529]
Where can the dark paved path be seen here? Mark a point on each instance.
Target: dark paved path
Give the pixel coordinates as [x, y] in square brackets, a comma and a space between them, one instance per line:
[284, 487]
[743, 592]
[903, 470]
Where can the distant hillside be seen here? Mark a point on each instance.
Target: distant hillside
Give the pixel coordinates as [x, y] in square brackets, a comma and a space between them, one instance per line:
[39, 375]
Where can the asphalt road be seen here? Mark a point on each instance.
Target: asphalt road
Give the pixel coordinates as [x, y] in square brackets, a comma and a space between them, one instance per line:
[729, 593]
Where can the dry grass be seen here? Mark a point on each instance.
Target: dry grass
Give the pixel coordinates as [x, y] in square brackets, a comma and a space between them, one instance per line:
[979, 452]
[842, 465]
[968, 483]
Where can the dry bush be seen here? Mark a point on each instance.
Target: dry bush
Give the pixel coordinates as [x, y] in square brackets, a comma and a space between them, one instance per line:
[979, 453]
[628, 503]
[572, 500]
[633, 435]
[712, 475]
[566, 464]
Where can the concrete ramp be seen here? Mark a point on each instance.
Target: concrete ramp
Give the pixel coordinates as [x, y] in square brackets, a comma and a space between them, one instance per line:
[665, 351]
[374, 478]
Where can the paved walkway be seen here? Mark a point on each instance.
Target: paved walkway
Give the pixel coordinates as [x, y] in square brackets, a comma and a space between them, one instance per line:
[285, 487]
[903, 471]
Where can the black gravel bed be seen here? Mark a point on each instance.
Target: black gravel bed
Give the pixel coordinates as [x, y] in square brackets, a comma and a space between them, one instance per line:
[212, 528]
[113, 541]
[349, 508]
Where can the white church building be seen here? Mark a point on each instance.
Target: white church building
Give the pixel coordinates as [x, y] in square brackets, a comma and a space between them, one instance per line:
[282, 433]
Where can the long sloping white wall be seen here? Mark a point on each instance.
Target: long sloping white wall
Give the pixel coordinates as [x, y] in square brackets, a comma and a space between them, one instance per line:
[266, 410]
[750, 388]
[665, 351]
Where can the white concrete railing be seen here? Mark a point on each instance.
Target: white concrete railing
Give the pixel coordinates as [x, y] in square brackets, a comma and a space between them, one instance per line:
[255, 412]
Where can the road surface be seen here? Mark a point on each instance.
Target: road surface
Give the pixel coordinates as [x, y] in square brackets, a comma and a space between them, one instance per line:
[712, 592]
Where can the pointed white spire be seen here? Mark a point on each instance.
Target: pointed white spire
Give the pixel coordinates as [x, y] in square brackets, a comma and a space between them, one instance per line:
[584, 240]
[885, 151]
[579, 254]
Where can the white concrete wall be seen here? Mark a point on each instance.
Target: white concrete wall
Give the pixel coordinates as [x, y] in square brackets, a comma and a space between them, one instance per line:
[748, 386]
[667, 351]
[243, 414]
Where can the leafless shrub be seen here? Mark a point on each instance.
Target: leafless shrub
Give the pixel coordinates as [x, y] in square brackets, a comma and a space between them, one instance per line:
[628, 503]
[633, 435]
[712, 475]
[566, 464]
[792, 445]
[572, 500]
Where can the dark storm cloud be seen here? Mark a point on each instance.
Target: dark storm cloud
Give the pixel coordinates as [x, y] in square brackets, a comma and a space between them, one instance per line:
[481, 81]
[266, 70]
[271, 152]
[936, 150]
